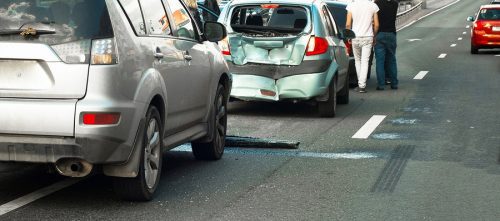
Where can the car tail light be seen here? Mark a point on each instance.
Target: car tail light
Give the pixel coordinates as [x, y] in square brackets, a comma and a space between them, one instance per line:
[224, 44]
[269, 6]
[316, 46]
[267, 93]
[348, 48]
[76, 52]
[100, 118]
[103, 52]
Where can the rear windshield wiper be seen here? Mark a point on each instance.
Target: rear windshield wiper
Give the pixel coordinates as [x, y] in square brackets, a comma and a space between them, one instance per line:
[32, 32]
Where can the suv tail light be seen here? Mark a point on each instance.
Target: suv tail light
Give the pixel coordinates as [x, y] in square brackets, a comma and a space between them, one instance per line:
[316, 46]
[76, 52]
[224, 44]
[100, 118]
[103, 52]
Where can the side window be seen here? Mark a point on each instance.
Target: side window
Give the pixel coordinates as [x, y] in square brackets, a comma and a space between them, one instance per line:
[156, 19]
[182, 20]
[134, 14]
[329, 24]
[332, 19]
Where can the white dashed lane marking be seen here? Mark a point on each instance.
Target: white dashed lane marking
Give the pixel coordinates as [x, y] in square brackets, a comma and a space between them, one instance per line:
[464, 33]
[459, 39]
[442, 56]
[453, 45]
[366, 130]
[420, 75]
[468, 26]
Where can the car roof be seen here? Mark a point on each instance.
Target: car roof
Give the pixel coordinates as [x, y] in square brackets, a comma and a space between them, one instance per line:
[301, 2]
[490, 6]
[336, 3]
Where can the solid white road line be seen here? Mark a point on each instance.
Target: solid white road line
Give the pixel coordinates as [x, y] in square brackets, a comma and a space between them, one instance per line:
[413, 22]
[442, 56]
[420, 75]
[453, 45]
[24, 200]
[366, 130]
[459, 39]
[498, 55]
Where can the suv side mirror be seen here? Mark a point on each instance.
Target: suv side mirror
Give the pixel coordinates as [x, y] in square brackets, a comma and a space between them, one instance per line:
[214, 31]
[348, 34]
[470, 18]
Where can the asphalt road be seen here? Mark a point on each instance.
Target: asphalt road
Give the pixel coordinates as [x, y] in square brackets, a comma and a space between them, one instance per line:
[435, 156]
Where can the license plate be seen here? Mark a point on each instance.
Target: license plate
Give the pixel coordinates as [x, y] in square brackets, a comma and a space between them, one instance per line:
[496, 28]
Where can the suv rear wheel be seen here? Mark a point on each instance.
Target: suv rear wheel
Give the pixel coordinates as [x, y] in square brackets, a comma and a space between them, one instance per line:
[142, 187]
[214, 149]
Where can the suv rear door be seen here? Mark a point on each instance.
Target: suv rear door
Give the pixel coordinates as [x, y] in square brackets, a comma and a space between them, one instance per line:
[44, 62]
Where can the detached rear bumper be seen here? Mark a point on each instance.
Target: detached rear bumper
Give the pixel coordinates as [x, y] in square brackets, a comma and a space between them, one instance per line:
[301, 87]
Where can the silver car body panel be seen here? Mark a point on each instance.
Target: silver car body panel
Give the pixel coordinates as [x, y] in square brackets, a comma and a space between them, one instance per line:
[45, 124]
[37, 116]
[34, 71]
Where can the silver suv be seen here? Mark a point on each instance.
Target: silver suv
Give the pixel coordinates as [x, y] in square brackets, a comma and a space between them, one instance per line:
[112, 83]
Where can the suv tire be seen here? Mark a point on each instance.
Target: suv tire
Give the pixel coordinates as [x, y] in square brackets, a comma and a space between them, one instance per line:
[142, 187]
[214, 149]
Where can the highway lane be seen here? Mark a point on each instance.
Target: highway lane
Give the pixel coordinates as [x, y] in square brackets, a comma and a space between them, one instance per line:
[435, 155]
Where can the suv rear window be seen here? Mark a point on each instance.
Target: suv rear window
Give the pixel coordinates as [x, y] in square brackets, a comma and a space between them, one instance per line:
[278, 18]
[54, 21]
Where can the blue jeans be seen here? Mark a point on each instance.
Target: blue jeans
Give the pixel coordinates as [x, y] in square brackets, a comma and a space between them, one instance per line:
[385, 53]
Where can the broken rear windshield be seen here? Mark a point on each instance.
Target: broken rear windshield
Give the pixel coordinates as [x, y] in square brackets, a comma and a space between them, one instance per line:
[53, 21]
[279, 18]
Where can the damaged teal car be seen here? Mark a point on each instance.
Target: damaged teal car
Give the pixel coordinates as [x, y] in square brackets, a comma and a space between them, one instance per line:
[286, 50]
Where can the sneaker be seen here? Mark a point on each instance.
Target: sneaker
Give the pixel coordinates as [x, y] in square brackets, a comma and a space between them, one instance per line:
[387, 82]
[362, 90]
[394, 87]
[379, 88]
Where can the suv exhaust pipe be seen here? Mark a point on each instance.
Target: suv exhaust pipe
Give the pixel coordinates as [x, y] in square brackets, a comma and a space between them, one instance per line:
[73, 167]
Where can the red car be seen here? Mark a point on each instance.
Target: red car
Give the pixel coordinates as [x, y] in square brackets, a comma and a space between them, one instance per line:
[485, 31]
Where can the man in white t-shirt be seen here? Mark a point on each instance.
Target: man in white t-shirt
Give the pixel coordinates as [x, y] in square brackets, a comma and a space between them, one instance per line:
[363, 20]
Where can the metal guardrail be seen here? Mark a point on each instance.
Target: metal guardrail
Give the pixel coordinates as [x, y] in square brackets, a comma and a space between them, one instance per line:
[403, 16]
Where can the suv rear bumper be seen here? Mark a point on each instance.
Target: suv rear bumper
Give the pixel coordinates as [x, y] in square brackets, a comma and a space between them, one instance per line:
[45, 149]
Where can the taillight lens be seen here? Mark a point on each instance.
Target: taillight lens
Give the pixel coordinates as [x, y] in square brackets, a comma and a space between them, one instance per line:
[100, 118]
[103, 52]
[316, 46]
[76, 52]
[224, 44]
[348, 48]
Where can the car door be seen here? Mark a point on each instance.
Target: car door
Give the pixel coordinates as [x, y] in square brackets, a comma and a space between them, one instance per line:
[189, 86]
[169, 62]
[341, 56]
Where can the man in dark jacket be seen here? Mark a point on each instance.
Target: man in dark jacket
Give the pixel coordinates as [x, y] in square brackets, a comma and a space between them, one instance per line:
[386, 43]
